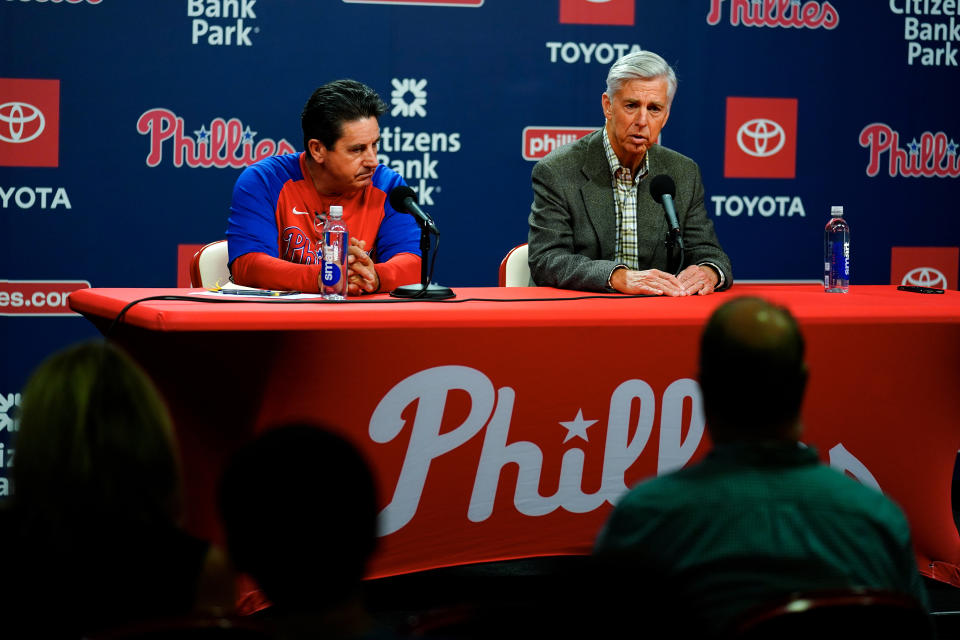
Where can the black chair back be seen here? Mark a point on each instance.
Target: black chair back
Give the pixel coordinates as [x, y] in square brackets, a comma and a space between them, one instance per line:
[848, 613]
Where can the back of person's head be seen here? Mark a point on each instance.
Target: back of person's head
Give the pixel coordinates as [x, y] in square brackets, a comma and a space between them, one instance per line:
[299, 508]
[335, 103]
[95, 441]
[752, 373]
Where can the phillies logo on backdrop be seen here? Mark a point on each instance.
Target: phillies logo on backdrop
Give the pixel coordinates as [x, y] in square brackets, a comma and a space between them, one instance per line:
[38, 297]
[935, 155]
[227, 143]
[29, 122]
[761, 138]
[776, 13]
[539, 141]
[613, 12]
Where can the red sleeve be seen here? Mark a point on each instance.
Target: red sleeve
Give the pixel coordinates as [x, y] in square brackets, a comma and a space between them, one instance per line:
[264, 272]
[403, 268]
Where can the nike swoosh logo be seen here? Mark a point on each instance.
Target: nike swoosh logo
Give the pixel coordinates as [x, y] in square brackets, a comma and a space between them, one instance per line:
[300, 213]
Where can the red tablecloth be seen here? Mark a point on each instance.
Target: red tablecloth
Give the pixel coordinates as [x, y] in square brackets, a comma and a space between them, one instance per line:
[505, 423]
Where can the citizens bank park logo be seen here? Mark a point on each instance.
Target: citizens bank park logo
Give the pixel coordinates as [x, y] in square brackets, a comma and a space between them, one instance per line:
[425, 3]
[29, 122]
[939, 24]
[761, 138]
[611, 12]
[935, 155]
[416, 105]
[227, 143]
[412, 154]
[38, 297]
[794, 14]
[9, 412]
[220, 23]
[539, 141]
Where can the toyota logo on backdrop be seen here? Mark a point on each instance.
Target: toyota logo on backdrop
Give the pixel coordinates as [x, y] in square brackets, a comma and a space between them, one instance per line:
[925, 277]
[29, 122]
[21, 122]
[761, 137]
[614, 12]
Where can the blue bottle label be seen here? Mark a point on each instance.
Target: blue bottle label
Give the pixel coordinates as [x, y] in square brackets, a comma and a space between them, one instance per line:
[330, 273]
[840, 261]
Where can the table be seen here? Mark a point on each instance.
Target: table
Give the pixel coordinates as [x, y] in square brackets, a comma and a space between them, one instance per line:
[505, 423]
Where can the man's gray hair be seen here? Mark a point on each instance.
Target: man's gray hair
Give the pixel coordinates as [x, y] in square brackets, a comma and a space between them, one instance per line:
[641, 65]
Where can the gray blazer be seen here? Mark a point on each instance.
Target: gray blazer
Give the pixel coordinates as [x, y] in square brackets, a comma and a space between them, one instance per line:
[573, 223]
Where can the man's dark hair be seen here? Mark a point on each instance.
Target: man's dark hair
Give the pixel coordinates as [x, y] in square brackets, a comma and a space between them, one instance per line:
[335, 103]
[299, 509]
[752, 372]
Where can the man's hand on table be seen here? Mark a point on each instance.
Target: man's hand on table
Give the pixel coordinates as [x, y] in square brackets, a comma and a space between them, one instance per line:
[362, 273]
[698, 280]
[694, 280]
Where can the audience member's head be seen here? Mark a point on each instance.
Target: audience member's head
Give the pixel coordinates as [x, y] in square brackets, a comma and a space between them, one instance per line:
[299, 508]
[95, 442]
[752, 372]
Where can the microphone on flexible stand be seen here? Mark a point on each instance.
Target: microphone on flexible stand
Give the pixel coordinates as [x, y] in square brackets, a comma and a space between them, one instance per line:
[663, 189]
[404, 200]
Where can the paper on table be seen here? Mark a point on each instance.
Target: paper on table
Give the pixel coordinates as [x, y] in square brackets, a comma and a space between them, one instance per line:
[239, 291]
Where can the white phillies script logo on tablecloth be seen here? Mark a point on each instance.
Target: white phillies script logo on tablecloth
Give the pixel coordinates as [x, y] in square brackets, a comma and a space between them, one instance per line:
[491, 412]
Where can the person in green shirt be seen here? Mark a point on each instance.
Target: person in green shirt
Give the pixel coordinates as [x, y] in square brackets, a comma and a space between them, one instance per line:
[760, 516]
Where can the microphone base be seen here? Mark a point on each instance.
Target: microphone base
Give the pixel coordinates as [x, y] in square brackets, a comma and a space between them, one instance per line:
[430, 292]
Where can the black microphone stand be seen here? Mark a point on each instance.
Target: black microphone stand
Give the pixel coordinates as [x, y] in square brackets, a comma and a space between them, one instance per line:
[426, 289]
[674, 238]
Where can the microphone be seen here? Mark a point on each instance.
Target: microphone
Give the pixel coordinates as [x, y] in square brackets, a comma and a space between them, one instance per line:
[404, 200]
[663, 188]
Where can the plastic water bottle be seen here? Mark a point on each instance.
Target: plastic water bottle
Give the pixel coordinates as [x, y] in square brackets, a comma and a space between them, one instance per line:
[336, 242]
[836, 253]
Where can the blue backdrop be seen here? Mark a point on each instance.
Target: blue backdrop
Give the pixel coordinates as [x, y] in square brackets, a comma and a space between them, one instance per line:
[123, 126]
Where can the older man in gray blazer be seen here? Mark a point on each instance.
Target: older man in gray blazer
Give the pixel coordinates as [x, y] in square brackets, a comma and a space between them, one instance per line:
[594, 224]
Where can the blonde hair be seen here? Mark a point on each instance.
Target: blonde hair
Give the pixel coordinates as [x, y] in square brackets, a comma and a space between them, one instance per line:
[95, 439]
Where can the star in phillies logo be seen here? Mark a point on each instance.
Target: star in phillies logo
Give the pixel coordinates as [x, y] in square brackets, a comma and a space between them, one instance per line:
[761, 138]
[29, 122]
[615, 12]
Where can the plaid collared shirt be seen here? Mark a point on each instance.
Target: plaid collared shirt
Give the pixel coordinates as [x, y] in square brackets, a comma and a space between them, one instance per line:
[625, 204]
